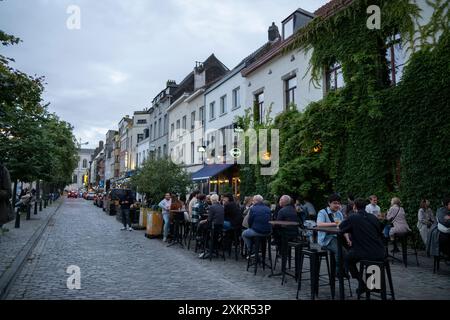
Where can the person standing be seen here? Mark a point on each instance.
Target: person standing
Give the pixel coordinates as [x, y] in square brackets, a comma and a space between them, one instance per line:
[373, 207]
[125, 202]
[425, 220]
[165, 206]
[5, 196]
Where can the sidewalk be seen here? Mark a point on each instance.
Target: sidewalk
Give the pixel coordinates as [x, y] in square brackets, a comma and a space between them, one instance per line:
[14, 242]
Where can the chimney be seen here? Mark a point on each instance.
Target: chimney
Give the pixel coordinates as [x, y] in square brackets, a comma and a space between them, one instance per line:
[100, 145]
[274, 33]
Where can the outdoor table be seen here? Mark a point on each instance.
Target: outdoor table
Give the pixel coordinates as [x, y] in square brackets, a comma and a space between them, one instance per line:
[178, 217]
[284, 244]
[340, 243]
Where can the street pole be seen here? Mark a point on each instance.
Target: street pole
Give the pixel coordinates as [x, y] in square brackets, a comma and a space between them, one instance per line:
[29, 211]
[17, 222]
[37, 198]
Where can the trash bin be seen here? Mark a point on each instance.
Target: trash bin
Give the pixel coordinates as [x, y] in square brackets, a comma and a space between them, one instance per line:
[154, 224]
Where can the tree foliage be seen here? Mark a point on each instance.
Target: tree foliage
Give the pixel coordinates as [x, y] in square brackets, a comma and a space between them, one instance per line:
[159, 176]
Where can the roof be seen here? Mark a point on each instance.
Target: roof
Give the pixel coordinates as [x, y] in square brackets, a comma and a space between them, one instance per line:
[324, 12]
[332, 8]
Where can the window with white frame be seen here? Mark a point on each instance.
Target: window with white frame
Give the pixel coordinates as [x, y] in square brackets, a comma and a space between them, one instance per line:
[259, 100]
[201, 114]
[290, 89]
[183, 125]
[236, 98]
[192, 120]
[223, 104]
[334, 77]
[212, 110]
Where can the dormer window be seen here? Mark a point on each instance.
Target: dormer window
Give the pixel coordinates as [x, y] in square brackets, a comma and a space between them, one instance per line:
[288, 28]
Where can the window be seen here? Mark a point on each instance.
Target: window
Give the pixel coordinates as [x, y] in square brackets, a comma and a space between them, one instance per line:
[75, 178]
[212, 111]
[291, 87]
[155, 136]
[201, 113]
[140, 137]
[172, 130]
[146, 133]
[236, 98]
[183, 153]
[223, 105]
[84, 163]
[288, 28]
[259, 100]
[335, 78]
[151, 131]
[395, 56]
[166, 124]
[178, 128]
[192, 152]
[159, 128]
[193, 120]
[142, 121]
[164, 150]
[184, 123]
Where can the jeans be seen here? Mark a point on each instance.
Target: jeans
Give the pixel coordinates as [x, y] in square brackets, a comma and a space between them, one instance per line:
[226, 225]
[126, 217]
[166, 218]
[247, 236]
[386, 231]
[333, 247]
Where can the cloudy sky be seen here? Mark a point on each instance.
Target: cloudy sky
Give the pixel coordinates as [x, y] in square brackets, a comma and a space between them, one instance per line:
[125, 50]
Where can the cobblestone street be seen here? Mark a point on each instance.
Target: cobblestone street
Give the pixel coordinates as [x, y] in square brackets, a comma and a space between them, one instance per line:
[125, 265]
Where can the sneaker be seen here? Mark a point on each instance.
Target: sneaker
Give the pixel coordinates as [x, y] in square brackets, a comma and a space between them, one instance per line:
[201, 255]
[130, 229]
[123, 228]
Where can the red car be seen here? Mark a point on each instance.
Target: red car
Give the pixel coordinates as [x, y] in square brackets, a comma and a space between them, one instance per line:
[72, 194]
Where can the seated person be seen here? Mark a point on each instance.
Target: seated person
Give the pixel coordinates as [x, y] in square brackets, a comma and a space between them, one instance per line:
[233, 218]
[286, 213]
[215, 219]
[258, 222]
[443, 218]
[397, 217]
[330, 217]
[365, 239]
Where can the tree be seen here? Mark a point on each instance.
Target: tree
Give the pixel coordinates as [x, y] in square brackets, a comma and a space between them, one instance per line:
[157, 177]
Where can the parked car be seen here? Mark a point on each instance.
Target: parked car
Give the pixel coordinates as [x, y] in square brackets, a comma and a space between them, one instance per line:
[72, 194]
[90, 196]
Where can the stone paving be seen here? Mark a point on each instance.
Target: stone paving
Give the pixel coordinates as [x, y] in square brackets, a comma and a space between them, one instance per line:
[125, 265]
[14, 241]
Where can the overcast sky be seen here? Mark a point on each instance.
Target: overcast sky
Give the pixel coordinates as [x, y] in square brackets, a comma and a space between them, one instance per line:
[126, 50]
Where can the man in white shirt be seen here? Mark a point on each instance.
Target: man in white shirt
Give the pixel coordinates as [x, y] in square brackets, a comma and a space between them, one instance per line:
[373, 207]
[165, 206]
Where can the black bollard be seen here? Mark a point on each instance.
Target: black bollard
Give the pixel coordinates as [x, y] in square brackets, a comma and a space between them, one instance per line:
[40, 204]
[35, 207]
[45, 203]
[28, 211]
[17, 223]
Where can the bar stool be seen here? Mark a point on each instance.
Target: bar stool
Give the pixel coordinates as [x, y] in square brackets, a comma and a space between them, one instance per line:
[403, 239]
[385, 270]
[216, 238]
[233, 237]
[315, 257]
[259, 245]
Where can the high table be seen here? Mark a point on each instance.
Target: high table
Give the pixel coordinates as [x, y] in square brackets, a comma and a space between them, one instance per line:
[284, 244]
[340, 243]
[178, 216]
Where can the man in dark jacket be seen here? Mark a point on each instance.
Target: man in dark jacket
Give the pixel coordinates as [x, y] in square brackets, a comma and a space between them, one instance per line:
[366, 234]
[5, 196]
[215, 220]
[286, 213]
[125, 201]
[233, 217]
[258, 222]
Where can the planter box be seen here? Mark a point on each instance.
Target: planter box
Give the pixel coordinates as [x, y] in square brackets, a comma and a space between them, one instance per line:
[154, 224]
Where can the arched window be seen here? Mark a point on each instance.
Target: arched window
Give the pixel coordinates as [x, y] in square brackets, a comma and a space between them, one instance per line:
[84, 163]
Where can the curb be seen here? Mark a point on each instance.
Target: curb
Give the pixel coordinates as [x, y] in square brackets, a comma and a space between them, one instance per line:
[10, 274]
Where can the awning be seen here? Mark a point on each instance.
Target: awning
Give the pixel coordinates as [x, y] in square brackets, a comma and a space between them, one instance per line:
[209, 171]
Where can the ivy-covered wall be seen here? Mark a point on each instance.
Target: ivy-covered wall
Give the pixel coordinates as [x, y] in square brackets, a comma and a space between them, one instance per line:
[369, 137]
